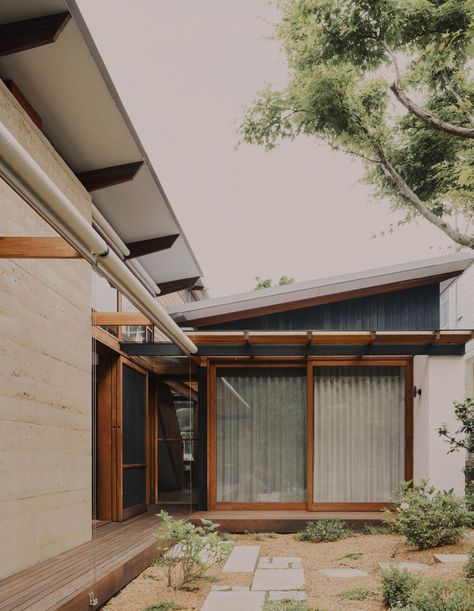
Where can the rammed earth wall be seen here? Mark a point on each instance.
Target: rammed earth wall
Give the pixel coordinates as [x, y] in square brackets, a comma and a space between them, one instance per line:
[45, 375]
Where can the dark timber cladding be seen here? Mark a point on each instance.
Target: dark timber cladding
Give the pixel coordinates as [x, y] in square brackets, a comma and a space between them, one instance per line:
[409, 309]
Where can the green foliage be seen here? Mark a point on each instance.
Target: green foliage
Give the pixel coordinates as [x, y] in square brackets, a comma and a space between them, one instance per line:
[469, 496]
[469, 566]
[428, 517]
[369, 529]
[267, 282]
[437, 595]
[287, 605]
[352, 556]
[336, 52]
[397, 587]
[189, 550]
[357, 594]
[166, 605]
[463, 437]
[324, 530]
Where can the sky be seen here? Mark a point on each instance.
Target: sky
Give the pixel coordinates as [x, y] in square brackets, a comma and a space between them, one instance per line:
[185, 71]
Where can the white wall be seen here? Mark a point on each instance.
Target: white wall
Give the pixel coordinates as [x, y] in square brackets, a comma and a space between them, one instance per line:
[442, 381]
[45, 376]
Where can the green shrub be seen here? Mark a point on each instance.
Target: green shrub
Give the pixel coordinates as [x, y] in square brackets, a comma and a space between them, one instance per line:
[469, 566]
[469, 496]
[357, 594]
[437, 595]
[397, 587]
[189, 550]
[428, 517]
[324, 530]
[166, 605]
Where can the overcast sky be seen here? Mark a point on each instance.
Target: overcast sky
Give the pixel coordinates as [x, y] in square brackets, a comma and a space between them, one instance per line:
[185, 70]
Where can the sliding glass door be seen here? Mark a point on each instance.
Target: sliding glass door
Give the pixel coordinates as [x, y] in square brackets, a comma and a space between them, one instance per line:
[260, 436]
[359, 433]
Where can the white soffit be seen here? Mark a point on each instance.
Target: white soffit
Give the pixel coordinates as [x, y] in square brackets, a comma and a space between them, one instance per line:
[73, 94]
[451, 264]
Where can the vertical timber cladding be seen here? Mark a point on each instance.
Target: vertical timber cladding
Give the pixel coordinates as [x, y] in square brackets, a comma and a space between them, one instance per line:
[132, 431]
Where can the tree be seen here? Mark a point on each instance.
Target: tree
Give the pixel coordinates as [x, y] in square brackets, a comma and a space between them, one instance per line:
[338, 52]
[267, 283]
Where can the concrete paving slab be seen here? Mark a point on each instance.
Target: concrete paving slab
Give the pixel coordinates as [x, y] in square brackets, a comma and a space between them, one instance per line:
[451, 558]
[224, 588]
[280, 562]
[234, 601]
[242, 559]
[278, 579]
[343, 572]
[287, 595]
[404, 566]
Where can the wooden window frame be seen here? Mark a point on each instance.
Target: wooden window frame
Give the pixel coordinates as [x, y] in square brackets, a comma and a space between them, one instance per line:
[308, 364]
[403, 362]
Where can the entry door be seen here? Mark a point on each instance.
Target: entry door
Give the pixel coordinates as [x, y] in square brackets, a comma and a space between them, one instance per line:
[361, 433]
[132, 433]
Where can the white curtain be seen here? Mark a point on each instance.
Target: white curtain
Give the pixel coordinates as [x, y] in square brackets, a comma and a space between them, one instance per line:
[359, 433]
[261, 435]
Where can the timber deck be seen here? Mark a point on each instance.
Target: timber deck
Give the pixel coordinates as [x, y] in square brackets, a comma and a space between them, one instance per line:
[120, 551]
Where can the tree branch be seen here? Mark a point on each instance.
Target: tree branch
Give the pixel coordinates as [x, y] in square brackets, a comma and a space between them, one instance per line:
[421, 208]
[458, 99]
[423, 114]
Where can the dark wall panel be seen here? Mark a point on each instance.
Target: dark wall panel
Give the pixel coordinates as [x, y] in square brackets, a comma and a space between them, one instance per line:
[407, 310]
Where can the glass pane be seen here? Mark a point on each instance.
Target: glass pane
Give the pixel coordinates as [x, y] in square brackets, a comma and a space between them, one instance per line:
[261, 435]
[104, 296]
[359, 433]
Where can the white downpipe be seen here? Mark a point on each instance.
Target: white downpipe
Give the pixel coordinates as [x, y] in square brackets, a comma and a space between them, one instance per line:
[63, 216]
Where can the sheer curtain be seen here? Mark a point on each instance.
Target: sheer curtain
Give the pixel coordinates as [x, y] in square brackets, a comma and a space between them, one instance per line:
[261, 434]
[359, 433]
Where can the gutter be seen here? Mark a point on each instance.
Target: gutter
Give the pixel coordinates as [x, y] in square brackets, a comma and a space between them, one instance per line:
[26, 177]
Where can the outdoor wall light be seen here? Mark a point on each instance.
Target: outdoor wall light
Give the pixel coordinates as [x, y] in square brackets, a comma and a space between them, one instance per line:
[416, 392]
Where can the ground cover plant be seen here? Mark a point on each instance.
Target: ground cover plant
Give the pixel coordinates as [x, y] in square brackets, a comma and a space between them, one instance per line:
[189, 550]
[358, 594]
[166, 605]
[428, 517]
[324, 530]
[469, 567]
[397, 587]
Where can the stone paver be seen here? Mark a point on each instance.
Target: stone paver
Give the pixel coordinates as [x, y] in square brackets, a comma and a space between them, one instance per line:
[234, 601]
[280, 562]
[278, 579]
[343, 572]
[450, 558]
[222, 588]
[407, 566]
[287, 595]
[242, 559]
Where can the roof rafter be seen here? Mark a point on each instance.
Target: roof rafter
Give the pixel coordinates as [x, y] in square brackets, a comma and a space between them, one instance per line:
[109, 177]
[30, 33]
[147, 247]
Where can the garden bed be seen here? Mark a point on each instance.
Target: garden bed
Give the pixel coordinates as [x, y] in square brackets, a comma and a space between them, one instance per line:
[360, 551]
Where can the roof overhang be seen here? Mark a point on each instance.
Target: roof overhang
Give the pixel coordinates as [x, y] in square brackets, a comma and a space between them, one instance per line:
[320, 291]
[82, 115]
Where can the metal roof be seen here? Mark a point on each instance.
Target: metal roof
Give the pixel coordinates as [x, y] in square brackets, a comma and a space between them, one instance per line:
[69, 86]
[333, 285]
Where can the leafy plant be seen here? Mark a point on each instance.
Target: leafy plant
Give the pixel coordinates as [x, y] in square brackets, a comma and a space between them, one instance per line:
[166, 605]
[189, 550]
[324, 530]
[463, 437]
[437, 595]
[384, 529]
[469, 566]
[287, 605]
[357, 594]
[428, 517]
[397, 587]
[352, 556]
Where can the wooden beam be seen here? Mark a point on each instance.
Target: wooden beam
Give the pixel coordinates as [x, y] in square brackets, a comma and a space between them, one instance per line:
[147, 247]
[36, 248]
[177, 285]
[120, 319]
[182, 389]
[108, 177]
[31, 33]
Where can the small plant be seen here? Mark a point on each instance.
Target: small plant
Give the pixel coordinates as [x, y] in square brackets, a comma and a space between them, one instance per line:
[287, 605]
[383, 529]
[428, 517]
[324, 530]
[189, 550]
[397, 587]
[352, 556]
[166, 605]
[469, 566]
[437, 595]
[357, 594]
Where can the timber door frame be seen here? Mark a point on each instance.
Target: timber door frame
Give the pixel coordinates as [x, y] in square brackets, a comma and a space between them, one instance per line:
[406, 363]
